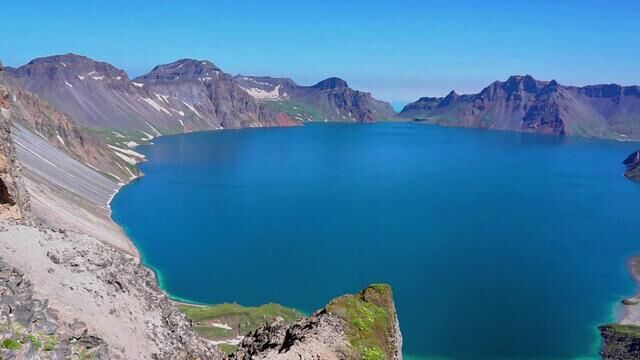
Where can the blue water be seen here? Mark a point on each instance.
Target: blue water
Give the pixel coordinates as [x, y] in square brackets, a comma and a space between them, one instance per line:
[498, 245]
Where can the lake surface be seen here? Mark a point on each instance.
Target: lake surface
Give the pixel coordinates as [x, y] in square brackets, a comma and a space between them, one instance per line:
[498, 245]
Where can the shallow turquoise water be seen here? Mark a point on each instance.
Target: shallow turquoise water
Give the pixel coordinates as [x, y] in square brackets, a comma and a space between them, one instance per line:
[498, 245]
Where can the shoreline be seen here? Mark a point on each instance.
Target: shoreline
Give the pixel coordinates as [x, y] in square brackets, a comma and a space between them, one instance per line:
[630, 306]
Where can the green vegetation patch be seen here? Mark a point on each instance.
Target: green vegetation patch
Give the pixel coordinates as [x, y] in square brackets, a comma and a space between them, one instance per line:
[297, 110]
[228, 348]
[119, 137]
[11, 344]
[37, 343]
[626, 330]
[241, 319]
[371, 318]
[19, 336]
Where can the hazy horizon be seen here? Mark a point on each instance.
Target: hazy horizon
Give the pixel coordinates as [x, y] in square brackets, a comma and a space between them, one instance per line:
[399, 51]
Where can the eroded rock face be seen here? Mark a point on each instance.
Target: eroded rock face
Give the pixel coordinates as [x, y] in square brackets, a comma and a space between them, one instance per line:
[13, 196]
[361, 326]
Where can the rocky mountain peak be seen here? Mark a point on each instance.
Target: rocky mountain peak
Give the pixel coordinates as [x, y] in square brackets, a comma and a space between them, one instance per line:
[330, 84]
[449, 99]
[70, 65]
[183, 69]
[526, 83]
[69, 68]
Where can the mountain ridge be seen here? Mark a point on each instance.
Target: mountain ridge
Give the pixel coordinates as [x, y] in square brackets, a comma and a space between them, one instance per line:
[523, 103]
[98, 95]
[329, 99]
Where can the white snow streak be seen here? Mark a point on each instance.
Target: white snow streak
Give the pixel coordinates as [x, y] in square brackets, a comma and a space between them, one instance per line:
[127, 151]
[192, 108]
[156, 106]
[124, 157]
[154, 129]
[264, 94]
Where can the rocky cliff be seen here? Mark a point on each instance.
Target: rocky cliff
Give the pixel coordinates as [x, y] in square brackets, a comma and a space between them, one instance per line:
[525, 104]
[14, 202]
[633, 166]
[330, 99]
[361, 326]
[201, 96]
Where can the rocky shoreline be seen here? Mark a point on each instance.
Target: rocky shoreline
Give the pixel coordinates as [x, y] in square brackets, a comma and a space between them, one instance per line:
[633, 166]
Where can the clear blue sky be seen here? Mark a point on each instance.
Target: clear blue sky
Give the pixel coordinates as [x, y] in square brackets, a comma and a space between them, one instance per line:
[399, 50]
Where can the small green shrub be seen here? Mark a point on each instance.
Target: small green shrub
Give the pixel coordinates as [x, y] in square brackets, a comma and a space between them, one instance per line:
[11, 344]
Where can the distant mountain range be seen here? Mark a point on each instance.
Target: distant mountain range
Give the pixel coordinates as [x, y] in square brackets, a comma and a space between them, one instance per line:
[186, 95]
[525, 104]
[93, 102]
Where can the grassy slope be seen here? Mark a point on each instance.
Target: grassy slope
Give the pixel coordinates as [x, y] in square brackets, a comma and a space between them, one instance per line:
[241, 319]
[296, 110]
[371, 318]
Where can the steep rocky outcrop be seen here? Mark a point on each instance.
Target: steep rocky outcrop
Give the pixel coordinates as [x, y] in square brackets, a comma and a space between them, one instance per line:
[83, 280]
[633, 166]
[361, 326]
[186, 95]
[525, 104]
[330, 99]
[14, 203]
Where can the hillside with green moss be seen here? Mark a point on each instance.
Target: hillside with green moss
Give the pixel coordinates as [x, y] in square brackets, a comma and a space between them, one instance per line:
[359, 326]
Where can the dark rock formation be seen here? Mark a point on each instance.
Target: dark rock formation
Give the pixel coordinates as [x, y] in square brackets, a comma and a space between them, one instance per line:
[621, 342]
[633, 166]
[330, 99]
[525, 104]
[361, 326]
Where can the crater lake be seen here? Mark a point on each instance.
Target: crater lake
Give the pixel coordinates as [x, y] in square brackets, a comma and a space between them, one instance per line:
[498, 245]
